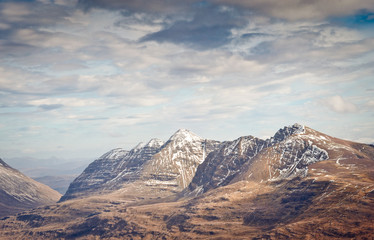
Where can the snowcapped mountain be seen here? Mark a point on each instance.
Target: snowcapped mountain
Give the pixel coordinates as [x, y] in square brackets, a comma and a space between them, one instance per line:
[287, 158]
[178, 159]
[146, 169]
[19, 192]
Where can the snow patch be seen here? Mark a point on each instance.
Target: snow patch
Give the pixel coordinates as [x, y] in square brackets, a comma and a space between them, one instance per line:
[155, 143]
[115, 154]
[185, 135]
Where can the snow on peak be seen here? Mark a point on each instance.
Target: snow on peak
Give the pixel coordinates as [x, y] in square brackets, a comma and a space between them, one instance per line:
[155, 143]
[139, 146]
[185, 135]
[114, 154]
[298, 128]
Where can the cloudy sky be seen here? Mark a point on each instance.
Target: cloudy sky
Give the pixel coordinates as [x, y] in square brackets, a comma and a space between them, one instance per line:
[78, 78]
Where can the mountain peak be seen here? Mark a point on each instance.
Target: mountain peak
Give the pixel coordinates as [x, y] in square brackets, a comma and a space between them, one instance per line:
[114, 154]
[186, 135]
[138, 146]
[2, 163]
[155, 142]
[285, 132]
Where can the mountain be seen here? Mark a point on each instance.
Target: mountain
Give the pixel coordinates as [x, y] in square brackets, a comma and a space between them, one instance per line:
[222, 165]
[299, 184]
[287, 154]
[96, 174]
[152, 170]
[19, 192]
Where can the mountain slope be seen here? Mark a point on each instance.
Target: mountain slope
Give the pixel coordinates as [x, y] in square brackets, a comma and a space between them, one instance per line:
[19, 192]
[96, 174]
[222, 165]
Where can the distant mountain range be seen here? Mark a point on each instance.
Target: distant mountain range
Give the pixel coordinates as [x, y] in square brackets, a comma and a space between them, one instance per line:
[298, 184]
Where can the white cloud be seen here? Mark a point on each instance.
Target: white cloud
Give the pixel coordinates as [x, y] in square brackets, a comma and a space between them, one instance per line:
[14, 11]
[68, 102]
[339, 105]
[370, 103]
[296, 9]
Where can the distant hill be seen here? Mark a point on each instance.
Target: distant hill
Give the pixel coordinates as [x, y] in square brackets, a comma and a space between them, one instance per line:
[19, 192]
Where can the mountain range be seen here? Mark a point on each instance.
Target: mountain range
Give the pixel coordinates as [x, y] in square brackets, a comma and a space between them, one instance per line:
[298, 184]
[153, 170]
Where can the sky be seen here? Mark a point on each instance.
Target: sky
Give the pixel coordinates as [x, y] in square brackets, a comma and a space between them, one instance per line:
[78, 78]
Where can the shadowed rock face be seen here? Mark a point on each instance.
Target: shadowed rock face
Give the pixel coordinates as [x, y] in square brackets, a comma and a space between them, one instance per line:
[222, 165]
[19, 192]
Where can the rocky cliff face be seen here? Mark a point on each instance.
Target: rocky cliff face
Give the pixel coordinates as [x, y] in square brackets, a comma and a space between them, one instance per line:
[177, 161]
[155, 167]
[19, 192]
[285, 155]
[222, 165]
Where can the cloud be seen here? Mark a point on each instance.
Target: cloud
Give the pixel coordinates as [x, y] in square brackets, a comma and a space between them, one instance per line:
[14, 12]
[54, 103]
[210, 28]
[48, 107]
[288, 9]
[339, 105]
[29, 13]
[137, 67]
[154, 6]
[299, 10]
